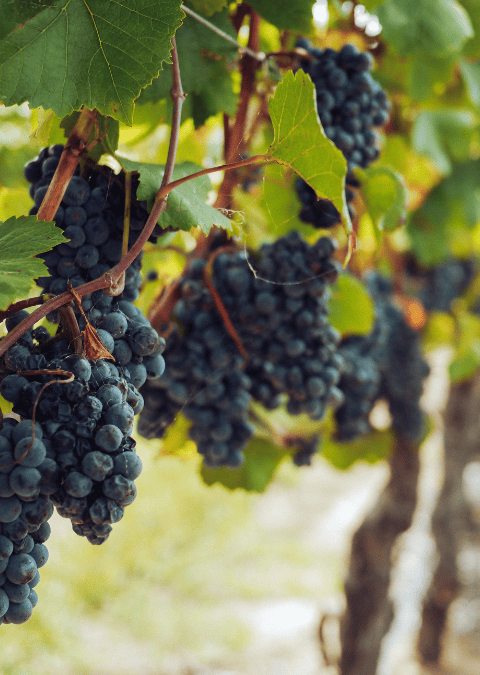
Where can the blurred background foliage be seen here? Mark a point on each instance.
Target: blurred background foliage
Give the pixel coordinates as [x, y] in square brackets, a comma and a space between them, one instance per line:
[184, 548]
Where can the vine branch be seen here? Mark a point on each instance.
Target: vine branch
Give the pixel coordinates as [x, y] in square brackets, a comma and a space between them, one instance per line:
[75, 147]
[236, 135]
[110, 279]
[259, 56]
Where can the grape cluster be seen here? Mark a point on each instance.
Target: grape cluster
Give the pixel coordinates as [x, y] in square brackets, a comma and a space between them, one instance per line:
[82, 459]
[280, 316]
[306, 448]
[27, 476]
[87, 423]
[84, 426]
[387, 363]
[321, 213]
[350, 105]
[203, 379]
[91, 216]
[437, 287]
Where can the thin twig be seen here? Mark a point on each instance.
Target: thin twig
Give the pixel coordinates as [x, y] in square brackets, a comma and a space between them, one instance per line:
[23, 304]
[70, 328]
[258, 56]
[110, 279]
[236, 135]
[207, 274]
[70, 376]
[178, 96]
[224, 167]
[127, 212]
[47, 371]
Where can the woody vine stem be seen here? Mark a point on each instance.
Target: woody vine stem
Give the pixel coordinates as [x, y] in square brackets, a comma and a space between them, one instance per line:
[75, 147]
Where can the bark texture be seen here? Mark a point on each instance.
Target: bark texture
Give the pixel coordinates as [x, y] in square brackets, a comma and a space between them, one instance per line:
[369, 611]
[451, 519]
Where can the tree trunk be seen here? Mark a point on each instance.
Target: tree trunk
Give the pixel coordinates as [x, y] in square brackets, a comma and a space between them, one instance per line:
[369, 611]
[450, 520]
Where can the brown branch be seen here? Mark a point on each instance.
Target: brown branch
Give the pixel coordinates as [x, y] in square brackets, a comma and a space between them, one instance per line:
[451, 517]
[369, 611]
[70, 328]
[160, 311]
[178, 97]
[110, 279]
[207, 273]
[226, 136]
[74, 148]
[23, 304]
[248, 68]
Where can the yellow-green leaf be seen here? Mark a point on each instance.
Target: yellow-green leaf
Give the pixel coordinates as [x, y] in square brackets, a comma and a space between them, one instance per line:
[20, 240]
[300, 142]
[352, 311]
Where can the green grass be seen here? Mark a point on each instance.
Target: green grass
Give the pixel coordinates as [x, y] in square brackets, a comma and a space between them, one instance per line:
[163, 581]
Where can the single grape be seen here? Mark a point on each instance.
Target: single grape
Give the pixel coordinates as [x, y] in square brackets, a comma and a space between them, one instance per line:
[28, 453]
[128, 464]
[21, 568]
[97, 465]
[39, 553]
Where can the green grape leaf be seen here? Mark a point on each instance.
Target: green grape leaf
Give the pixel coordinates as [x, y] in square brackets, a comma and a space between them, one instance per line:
[371, 4]
[374, 447]
[261, 460]
[440, 330]
[13, 13]
[385, 196]
[428, 231]
[351, 309]
[447, 217]
[443, 135]
[471, 76]
[208, 7]
[176, 440]
[424, 27]
[88, 52]
[186, 203]
[467, 354]
[216, 96]
[205, 62]
[105, 134]
[280, 202]
[300, 142]
[293, 15]
[424, 74]
[472, 47]
[20, 240]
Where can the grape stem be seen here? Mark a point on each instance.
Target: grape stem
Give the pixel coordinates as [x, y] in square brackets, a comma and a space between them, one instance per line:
[207, 274]
[110, 280]
[23, 304]
[70, 328]
[259, 56]
[127, 211]
[56, 371]
[236, 134]
[74, 148]
[78, 138]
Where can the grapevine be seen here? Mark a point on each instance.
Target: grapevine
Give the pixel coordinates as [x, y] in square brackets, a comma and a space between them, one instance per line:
[304, 203]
